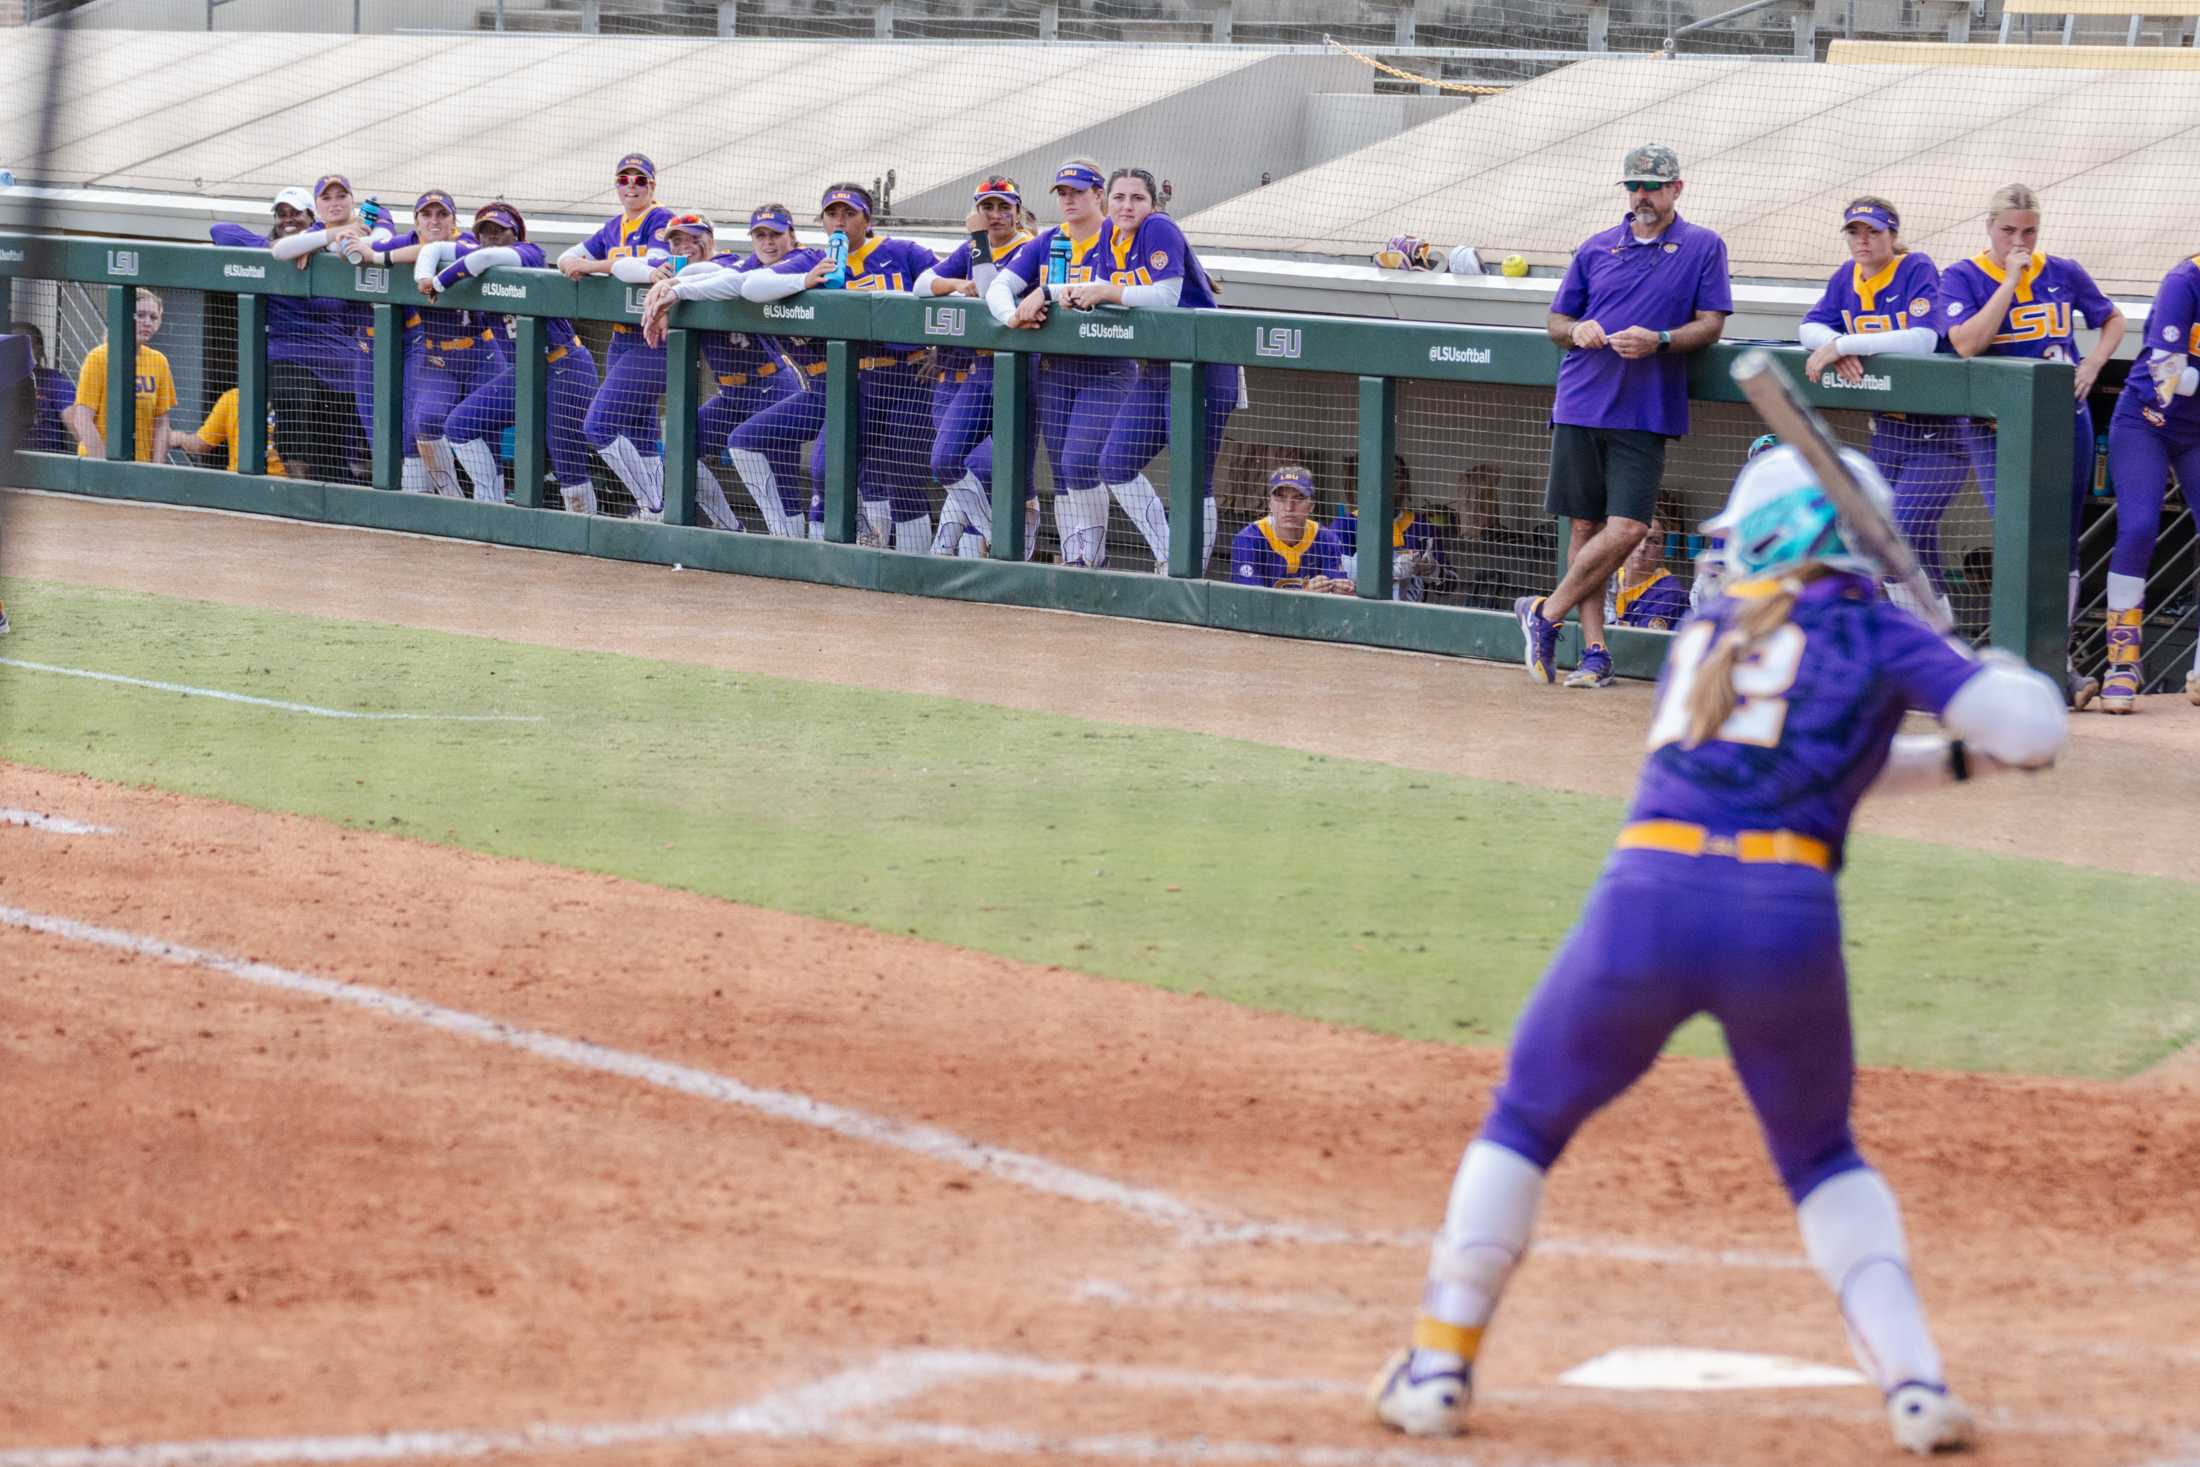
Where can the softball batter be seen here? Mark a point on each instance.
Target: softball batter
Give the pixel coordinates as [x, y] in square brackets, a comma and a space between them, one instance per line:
[1776, 712]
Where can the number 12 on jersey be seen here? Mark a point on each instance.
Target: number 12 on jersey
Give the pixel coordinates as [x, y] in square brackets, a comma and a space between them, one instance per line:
[1761, 681]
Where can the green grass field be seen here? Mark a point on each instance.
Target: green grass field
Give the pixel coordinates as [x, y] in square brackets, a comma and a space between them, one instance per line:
[1352, 892]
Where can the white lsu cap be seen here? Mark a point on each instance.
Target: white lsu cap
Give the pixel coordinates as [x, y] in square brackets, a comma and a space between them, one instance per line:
[294, 197]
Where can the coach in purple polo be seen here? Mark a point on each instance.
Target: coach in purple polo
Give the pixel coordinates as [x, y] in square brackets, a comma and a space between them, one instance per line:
[1637, 299]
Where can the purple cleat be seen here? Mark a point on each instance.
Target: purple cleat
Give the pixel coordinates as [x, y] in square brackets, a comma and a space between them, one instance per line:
[1540, 635]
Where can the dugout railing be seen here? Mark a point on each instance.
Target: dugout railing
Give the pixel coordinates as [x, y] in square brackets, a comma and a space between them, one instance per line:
[2028, 402]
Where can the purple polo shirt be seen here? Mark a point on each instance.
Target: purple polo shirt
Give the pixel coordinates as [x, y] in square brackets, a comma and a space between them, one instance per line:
[1619, 281]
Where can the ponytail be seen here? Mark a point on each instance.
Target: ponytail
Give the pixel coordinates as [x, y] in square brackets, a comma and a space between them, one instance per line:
[1711, 697]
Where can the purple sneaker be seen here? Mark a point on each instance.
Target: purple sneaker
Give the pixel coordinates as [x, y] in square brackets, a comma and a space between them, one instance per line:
[1595, 670]
[1540, 636]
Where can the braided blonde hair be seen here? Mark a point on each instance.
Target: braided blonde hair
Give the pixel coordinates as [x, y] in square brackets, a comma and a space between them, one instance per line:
[1711, 699]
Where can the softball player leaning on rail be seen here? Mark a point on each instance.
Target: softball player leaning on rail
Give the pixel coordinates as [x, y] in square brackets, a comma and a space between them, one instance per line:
[1881, 303]
[765, 409]
[1147, 262]
[478, 422]
[1077, 397]
[621, 422]
[322, 383]
[1776, 712]
[962, 388]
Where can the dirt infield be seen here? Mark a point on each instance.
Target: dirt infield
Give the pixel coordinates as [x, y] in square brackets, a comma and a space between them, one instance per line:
[586, 1169]
[255, 1212]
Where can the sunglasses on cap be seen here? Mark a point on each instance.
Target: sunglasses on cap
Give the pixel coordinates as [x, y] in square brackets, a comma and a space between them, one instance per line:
[630, 178]
[1638, 186]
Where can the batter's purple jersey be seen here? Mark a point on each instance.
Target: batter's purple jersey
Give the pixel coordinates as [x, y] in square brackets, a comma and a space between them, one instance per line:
[1658, 603]
[1620, 281]
[2173, 329]
[1893, 299]
[1824, 696]
[2041, 322]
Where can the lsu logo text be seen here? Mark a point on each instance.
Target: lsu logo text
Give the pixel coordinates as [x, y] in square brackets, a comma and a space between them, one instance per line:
[2037, 321]
[943, 321]
[508, 292]
[244, 272]
[1477, 356]
[11, 257]
[122, 262]
[791, 313]
[1090, 330]
[635, 295]
[1277, 341]
[372, 280]
[1872, 382]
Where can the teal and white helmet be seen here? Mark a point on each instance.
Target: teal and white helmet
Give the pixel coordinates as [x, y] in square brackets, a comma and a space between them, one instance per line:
[1777, 516]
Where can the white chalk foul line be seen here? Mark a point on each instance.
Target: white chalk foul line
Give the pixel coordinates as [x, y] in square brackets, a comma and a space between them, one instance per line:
[276, 703]
[59, 825]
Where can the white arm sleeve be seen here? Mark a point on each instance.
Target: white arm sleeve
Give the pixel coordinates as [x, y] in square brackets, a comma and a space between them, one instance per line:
[576, 252]
[1815, 334]
[771, 285]
[304, 243]
[1003, 292]
[491, 258]
[433, 256]
[922, 285]
[1915, 341]
[634, 271]
[2011, 713]
[1160, 293]
[711, 285]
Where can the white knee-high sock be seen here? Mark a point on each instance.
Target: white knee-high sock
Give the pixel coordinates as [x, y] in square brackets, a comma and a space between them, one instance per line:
[816, 529]
[967, 497]
[1852, 1231]
[651, 470]
[1147, 512]
[579, 498]
[710, 498]
[952, 524]
[763, 486]
[1031, 528]
[1494, 1198]
[1209, 524]
[412, 477]
[480, 462]
[643, 475]
[875, 524]
[2072, 613]
[972, 545]
[2125, 592]
[1081, 524]
[913, 534]
[442, 468]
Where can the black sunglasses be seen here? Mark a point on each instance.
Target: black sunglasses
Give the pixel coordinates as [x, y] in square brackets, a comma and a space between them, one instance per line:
[1637, 186]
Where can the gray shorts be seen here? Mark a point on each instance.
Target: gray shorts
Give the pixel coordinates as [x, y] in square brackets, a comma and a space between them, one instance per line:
[1602, 473]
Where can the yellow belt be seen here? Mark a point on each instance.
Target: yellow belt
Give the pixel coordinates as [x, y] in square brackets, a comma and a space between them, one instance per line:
[767, 369]
[869, 363]
[733, 379]
[959, 376]
[461, 343]
[556, 356]
[618, 328]
[1755, 847]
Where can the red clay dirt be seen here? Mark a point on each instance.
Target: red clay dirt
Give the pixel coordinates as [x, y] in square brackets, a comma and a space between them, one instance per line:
[243, 1212]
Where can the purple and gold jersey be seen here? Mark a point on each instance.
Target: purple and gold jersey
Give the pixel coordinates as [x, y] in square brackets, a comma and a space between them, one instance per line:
[1030, 261]
[434, 323]
[619, 237]
[1407, 532]
[1261, 557]
[2173, 329]
[1155, 252]
[557, 331]
[1620, 281]
[960, 264]
[1815, 710]
[2053, 294]
[313, 329]
[1894, 299]
[1658, 602]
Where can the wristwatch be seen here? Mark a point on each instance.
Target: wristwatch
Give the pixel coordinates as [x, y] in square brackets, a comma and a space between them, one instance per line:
[1665, 341]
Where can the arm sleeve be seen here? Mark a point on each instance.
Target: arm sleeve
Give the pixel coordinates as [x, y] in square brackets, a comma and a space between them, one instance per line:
[303, 243]
[717, 285]
[1815, 334]
[772, 284]
[922, 285]
[1911, 341]
[1160, 293]
[433, 257]
[2010, 712]
[1003, 292]
[635, 270]
[585, 250]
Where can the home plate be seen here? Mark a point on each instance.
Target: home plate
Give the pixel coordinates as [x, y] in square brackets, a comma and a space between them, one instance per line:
[1657, 1369]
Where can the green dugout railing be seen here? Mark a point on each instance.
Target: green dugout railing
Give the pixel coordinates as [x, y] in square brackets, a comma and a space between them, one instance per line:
[2029, 402]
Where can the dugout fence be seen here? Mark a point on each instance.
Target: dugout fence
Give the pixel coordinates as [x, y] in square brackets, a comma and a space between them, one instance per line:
[1464, 399]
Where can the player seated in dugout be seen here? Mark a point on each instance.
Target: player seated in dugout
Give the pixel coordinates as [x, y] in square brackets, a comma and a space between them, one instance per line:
[1644, 593]
[1497, 562]
[1417, 556]
[1287, 548]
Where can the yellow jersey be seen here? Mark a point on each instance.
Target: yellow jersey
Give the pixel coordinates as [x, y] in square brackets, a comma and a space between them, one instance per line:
[220, 428]
[156, 395]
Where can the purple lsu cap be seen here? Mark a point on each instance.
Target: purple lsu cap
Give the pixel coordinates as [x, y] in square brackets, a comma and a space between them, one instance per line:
[778, 221]
[436, 196]
[322, 184]
[636, 163]
[1873, 215]
[501, 213]
[998, 186]
[1078, 175]
[854, 198]
[1292, 476]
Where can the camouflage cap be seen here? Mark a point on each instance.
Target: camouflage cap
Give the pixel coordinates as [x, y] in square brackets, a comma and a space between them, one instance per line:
[1651, 163]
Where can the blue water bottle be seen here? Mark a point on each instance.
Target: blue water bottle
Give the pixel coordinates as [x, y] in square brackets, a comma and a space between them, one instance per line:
[836, 255]
[1058, 260]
